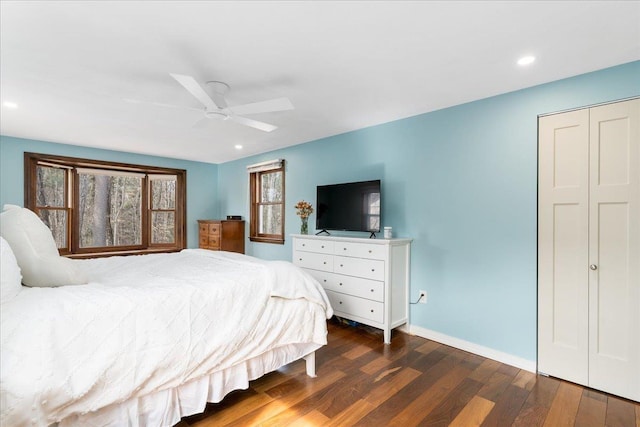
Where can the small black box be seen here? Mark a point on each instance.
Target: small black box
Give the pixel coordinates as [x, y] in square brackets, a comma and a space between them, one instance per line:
[234, 217]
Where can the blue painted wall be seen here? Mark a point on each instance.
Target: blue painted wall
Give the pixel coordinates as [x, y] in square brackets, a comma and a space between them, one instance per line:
[462, 182]
[201, 177]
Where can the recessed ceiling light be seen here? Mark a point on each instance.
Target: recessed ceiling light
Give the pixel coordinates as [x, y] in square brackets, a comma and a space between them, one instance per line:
[10, 104]
[526, 60]
[238, 147]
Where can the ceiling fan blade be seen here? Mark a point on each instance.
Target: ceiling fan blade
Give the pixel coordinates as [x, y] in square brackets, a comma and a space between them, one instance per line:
[279, 104]
[190, 84]
[266, 127]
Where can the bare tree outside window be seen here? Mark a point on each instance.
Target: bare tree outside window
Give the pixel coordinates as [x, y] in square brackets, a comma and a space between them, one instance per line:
[267, 203]
[50, 201]
[163, 205]
[111, 212]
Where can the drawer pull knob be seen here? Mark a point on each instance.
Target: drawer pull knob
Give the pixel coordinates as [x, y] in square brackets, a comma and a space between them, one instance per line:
[340, 302]
[299, 259]
[371, 290]
[373, 269]
[344, 249]
[325, 262]
[369, 250]
[325, 281]
[372, 310]
[304, 244]
[322, 246]
[340, 283]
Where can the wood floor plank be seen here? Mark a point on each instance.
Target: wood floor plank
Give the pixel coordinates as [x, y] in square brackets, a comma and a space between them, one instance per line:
[397, 382]
[351, 415]
[483, 372]
[591, 411]
[416, 411]
[428, 347]
[619, 413]
[474, 413]
[537, 405]
[446, 411]
[272, 409]
[313, 418]
[495, 386]
[564, 407]
[507, 407]
[376, 365]
[389, 408]
[356, 352]
[525, 380]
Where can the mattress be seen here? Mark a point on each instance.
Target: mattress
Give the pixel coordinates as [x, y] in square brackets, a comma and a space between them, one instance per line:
[149, 334]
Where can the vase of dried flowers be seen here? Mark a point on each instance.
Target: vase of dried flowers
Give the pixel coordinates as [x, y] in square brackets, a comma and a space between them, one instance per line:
[303, 210]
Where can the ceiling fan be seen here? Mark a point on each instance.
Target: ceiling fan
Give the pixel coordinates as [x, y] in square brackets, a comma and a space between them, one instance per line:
[215, 106]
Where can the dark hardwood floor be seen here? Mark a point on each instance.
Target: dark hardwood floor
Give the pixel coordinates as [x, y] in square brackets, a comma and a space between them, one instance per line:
[413, 381]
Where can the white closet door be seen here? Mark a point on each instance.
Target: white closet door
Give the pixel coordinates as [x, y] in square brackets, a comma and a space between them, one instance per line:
[614, 253]
[563, 244]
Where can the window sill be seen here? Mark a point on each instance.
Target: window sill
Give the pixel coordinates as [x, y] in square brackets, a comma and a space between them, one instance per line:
[278, 241]
[120, 253]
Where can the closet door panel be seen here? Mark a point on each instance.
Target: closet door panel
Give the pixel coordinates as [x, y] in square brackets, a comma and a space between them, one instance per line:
[614, 212]
[563, 246]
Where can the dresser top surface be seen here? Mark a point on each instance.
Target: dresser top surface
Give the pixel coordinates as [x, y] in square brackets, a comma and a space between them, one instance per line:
[376, 241]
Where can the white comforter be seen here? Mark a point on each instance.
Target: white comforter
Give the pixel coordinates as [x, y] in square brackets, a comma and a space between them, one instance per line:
[143, 324]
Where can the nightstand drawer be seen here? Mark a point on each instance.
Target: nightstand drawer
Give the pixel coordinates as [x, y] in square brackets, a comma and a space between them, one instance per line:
[356, 286]
[353, 306]
[214, 241]
[360, 267]
[360, 250]
[310, 245]
[312, 260]
[214, 229]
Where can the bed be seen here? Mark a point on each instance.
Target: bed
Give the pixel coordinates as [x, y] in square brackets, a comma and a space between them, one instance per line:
[152, 338]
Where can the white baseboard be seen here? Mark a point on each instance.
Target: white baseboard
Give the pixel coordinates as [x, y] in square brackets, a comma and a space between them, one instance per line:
[509, 359]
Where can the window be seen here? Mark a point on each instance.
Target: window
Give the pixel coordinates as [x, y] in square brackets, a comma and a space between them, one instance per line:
[95, 207]
[266, 182]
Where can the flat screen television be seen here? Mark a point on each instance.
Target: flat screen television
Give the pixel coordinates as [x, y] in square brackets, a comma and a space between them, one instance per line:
[352, 206]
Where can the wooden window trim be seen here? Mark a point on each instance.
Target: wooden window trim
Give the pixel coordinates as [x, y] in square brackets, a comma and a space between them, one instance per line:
[31, 161]
[254, 184]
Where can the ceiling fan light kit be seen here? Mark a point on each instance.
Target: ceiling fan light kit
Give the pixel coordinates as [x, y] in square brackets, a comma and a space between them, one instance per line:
[216, 107]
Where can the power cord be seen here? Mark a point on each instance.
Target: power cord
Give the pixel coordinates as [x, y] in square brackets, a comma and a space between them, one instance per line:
[419, 298]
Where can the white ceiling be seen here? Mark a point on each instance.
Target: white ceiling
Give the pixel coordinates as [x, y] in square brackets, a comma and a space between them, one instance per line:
[70, 66]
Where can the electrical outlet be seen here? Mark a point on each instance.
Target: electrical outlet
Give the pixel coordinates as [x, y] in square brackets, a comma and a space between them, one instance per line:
[423, 297]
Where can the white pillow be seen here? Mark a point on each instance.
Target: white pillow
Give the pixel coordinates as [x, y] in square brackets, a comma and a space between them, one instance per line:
[36, 251]
[10, 277]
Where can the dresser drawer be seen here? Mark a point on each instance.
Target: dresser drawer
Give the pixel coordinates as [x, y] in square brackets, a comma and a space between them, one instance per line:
[364, 288]
[310, 245]
[360, 267]
[360, 250]
[354, 306]
[312, 260]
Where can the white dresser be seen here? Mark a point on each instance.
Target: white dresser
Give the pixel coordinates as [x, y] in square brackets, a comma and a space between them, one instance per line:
[366, 280]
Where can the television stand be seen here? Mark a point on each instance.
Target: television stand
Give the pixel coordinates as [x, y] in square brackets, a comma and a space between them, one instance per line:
[323, 231]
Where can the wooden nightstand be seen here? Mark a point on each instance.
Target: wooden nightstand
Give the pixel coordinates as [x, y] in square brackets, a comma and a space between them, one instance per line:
[221, 235]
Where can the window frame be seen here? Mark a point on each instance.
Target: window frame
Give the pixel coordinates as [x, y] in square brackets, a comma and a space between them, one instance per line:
[255, 195]
[72, 191]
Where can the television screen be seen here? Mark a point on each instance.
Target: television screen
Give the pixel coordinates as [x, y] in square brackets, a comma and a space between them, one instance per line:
[353, 206]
